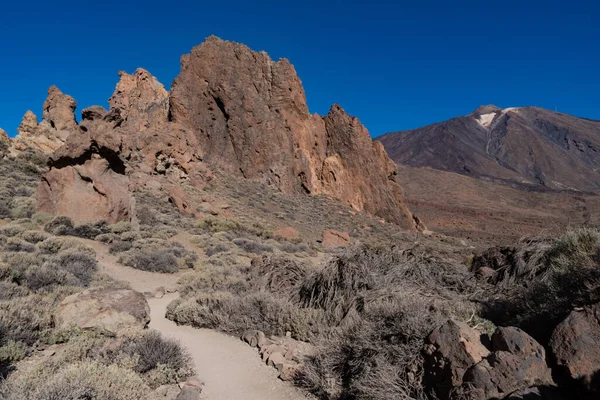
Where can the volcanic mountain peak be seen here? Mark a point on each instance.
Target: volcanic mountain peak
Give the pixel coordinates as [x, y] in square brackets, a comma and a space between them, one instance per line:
[517, 145]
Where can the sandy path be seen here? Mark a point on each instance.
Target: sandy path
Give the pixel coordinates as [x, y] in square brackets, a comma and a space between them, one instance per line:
[229, 368]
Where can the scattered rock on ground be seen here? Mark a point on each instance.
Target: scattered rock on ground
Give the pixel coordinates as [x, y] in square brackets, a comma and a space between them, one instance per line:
[517, 362]
[105, 309]
[333, 238]
[284, 354]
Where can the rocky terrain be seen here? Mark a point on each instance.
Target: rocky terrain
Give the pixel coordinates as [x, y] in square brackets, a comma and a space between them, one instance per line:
[141, 247]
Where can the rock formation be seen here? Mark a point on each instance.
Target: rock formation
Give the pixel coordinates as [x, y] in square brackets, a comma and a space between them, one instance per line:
[229, 108]
[58, 122]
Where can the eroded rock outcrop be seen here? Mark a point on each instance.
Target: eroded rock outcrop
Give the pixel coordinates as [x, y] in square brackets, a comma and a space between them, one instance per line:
[58, 122]
[229, 108]
[250, 116]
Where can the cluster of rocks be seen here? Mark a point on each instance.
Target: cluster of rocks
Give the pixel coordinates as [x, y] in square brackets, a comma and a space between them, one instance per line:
[230, 108]
[188, 390]
[461, 363]
[284, 354]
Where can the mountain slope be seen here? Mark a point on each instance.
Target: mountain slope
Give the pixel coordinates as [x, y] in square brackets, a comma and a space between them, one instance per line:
[527, 145]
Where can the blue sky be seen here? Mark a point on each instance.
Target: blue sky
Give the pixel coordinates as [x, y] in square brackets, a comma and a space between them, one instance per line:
[395, 65]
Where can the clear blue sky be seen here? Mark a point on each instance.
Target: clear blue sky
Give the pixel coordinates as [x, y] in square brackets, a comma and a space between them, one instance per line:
[395, 66]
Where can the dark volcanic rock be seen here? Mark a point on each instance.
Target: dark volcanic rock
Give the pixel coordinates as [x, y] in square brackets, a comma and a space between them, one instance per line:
[575, 344]
[458, 364]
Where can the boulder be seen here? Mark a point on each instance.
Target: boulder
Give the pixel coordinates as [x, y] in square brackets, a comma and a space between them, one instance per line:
[103, 309]
[191, 389]
[575, 344]
[516, 363]
[87, 191]
[449, 351]
[165, 392]
[333, 238]
[457, 363]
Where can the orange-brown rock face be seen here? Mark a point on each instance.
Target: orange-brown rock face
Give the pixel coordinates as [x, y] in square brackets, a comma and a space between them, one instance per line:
[229, 108]
[249, 115]
[58, 121]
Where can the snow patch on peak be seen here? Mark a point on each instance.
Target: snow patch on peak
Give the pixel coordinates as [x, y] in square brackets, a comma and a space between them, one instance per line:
[510, 109]
[485, 120]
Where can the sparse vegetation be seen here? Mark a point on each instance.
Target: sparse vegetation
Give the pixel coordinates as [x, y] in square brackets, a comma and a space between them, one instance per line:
[539, 281]
[368, 312]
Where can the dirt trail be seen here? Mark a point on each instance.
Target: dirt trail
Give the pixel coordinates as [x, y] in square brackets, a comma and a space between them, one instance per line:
[230, 369]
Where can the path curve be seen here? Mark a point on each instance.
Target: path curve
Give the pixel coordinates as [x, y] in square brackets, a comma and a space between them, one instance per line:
[229, 368]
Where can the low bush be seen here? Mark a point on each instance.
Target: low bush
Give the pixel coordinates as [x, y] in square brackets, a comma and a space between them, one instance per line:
[538, 282]
[77, 381]
[34, 236]
[119, 246]
[59, 226]
[152, 351]
[250, 246]
[19, 245]
[153, 261]
[368, 311]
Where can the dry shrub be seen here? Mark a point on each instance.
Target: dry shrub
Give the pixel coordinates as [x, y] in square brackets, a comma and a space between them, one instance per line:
[34, 236]
[368, 312]
[27, 319]
[536, 291]
[381, 305]
[83, 380]
[158, 255]
[152, 351]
